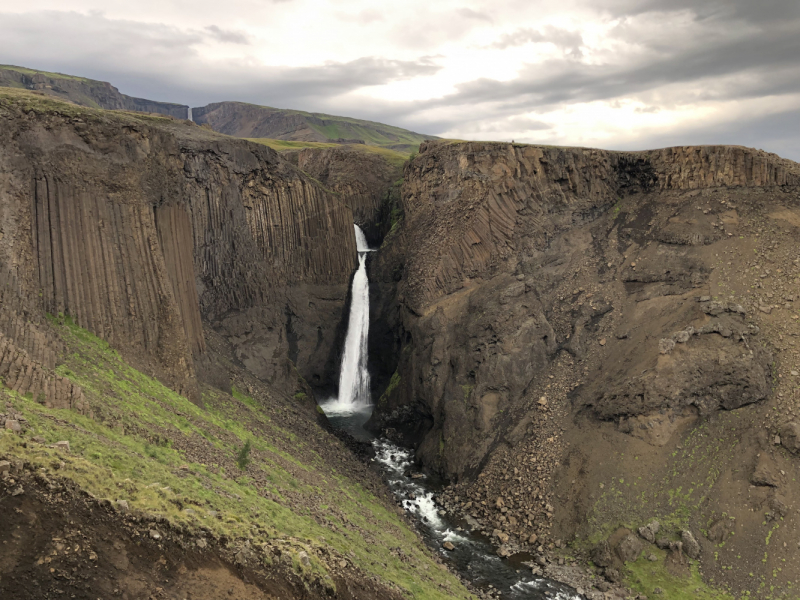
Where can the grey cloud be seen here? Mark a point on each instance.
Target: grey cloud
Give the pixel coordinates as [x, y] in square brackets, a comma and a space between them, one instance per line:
[468, 13]
[768, 61]
[162, 62]
[568, 41]
[763, 11]
[731, 53]
[228, 36]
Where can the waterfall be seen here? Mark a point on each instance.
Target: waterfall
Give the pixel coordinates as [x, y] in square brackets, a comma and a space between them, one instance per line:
[354, 376]
[189, 113]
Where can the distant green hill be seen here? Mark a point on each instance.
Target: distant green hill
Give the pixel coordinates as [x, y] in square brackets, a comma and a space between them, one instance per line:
[252, 121]
[84, 92]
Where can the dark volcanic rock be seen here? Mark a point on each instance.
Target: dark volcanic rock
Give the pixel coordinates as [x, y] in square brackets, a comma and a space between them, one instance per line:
[630, 548]
[511, 257]
[138, 229]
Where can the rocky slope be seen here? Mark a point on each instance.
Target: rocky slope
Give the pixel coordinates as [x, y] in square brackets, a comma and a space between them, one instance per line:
[84, 92]
[583, 341]
[252, 121]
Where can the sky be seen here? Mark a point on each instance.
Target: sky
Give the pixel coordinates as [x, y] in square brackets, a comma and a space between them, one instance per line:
[616, 74]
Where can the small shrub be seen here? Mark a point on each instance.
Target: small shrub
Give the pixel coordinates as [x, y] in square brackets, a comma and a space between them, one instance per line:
[243, 458]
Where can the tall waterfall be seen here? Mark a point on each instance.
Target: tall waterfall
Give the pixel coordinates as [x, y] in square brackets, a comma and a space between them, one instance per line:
[189, 113]
[354, 376]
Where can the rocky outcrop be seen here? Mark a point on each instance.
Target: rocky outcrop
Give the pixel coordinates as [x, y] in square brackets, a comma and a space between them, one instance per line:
[140, 230]
[514, 257]
[85, 92]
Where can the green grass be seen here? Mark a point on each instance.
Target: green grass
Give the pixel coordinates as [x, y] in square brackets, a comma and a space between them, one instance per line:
[393, 383]
[27, 71]
[644, 576]
[394, 157]
[142, 446]
[372, 133]
[39, 103]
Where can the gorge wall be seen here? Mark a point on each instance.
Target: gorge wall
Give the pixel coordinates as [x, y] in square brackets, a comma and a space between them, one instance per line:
[366, 180]
[142, 229]
[582, 340]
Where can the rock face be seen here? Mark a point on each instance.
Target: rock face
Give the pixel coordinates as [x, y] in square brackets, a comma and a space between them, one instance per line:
[141, 230]
[513, 257]
[365, 180]
[85, 92]
[790, 437]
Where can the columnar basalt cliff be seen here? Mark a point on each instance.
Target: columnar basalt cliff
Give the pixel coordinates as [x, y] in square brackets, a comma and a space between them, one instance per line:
[139, 229]
[364, 179]
[553, 311]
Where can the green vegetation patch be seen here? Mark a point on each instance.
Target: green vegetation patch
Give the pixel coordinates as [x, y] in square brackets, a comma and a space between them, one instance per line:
[394, 157]
[226, 467]
[646, 577]
[31, 72]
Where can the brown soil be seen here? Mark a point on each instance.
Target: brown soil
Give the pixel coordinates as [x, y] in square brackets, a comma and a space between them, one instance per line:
[59, 543]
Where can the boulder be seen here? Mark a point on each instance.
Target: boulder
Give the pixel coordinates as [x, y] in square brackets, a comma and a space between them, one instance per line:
[503, 537]
[690, 545]
[790, 437]
[649, 531]
[764, 473]
[62, 445]
[448, 546]
[601, 555]
[630, 548]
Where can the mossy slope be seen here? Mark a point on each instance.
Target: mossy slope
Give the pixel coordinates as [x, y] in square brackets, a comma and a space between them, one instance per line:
[167, 457]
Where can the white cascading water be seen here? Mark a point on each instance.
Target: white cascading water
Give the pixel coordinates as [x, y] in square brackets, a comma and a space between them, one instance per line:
[354, 376]
[189, 114]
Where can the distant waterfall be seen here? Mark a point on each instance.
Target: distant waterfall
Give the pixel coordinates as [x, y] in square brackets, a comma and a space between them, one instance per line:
[189, 113]
[354, 377]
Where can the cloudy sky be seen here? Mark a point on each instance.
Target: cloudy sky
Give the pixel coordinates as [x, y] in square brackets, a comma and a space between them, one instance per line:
[620, 74]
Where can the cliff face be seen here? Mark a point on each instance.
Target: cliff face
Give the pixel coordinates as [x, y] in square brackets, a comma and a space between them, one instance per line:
[140, 229]
[85, 92]
[364, 179]
[554, 313]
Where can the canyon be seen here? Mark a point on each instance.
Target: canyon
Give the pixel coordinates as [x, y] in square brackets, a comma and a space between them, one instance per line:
[596, 352]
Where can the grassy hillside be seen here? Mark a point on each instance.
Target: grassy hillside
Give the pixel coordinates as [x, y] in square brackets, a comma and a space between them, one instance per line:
[241, 119]
[31, 72]
[394, 157]
[230, 470]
